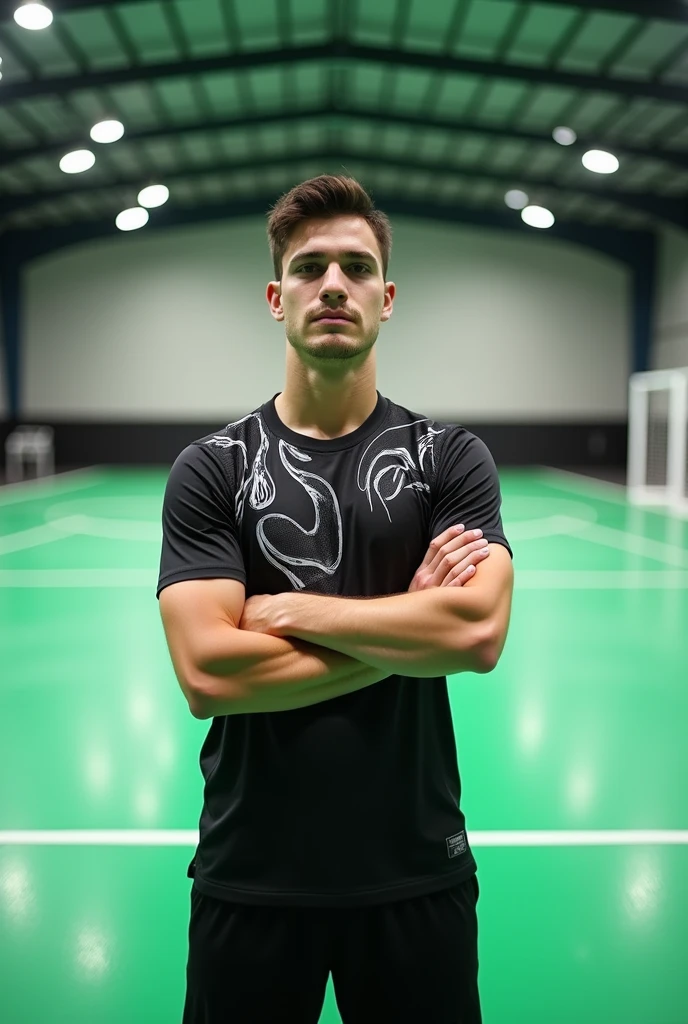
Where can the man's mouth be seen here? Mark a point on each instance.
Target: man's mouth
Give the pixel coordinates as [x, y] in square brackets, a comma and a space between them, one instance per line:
[333, 318]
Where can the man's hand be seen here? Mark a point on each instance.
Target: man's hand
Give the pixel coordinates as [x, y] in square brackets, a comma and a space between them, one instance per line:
[451, 559]
[261, 614]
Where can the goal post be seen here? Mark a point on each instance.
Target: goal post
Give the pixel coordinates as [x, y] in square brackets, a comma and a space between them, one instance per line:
[658, 439]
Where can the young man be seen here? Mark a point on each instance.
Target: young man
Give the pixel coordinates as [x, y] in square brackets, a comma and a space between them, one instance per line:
[307, 616]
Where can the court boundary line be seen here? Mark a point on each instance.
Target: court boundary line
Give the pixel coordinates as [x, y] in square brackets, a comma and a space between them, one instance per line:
[135, 578]
[32, 537]
[526, 579]
[22, 490]
[605, 490]
[595, 482]
[189, 837]
[634, 544]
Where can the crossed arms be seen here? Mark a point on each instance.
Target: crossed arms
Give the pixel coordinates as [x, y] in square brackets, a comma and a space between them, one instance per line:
[284, 651]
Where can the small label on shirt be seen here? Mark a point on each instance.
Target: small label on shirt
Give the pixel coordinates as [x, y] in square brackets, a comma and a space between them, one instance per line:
[456, 844]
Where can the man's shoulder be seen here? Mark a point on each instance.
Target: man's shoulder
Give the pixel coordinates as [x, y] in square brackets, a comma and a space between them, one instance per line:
[212, 457]
[232, 433]
[441, 428]
[401, 414]
[451, 442]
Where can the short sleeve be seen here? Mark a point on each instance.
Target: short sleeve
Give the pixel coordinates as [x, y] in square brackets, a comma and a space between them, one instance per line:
[199, 534]
[466, 488]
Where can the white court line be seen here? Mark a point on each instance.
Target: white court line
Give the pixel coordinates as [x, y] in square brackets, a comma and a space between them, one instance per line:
[34, 537]
[614, 837]
[94, 578]
[27, 490]
[525, 579]
[110, 529]
[189, 837]
[607, 490]
[635, 545]
[550, 526]
[614, 492]
[598, 579]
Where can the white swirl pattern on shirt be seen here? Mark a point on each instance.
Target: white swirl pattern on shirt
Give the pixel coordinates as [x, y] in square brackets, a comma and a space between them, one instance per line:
[383, 472]
[380, 462]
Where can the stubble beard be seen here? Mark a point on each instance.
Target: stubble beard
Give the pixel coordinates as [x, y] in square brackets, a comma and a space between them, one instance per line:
[330, 345]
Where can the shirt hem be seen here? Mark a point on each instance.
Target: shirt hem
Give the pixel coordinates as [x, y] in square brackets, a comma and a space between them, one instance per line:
[405, 891]
[206, 572]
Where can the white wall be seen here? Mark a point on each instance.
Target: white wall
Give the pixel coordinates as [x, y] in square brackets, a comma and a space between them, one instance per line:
[174, 326]
[670, 345]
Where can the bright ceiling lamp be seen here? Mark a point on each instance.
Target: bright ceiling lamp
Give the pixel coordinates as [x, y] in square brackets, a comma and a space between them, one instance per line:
[78, 161]
[153, 195]
[537, 217]
[107, 131]
[564, 136]
[599, 161]
[33, 16]
[130, 220]
[515, 199]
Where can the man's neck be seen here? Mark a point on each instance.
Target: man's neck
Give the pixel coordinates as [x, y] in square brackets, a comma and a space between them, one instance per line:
[323, 408]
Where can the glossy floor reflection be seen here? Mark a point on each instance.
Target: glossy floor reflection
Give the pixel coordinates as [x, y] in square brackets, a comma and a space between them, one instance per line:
[98, 934]
[582, 726]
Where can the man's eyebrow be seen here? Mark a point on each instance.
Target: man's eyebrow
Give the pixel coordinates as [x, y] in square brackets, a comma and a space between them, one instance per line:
[359, 254]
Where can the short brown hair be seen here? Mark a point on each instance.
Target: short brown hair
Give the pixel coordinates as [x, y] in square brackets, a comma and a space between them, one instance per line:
[328, 195]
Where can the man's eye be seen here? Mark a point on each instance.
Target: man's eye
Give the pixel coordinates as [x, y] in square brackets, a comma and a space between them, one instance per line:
[359, 268]
[308, 267]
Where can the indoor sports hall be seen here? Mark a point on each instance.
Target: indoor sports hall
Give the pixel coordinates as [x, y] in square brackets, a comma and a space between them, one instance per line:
[533, 160]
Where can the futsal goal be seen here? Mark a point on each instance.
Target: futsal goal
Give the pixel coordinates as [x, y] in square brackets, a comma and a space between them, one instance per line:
[658, 439]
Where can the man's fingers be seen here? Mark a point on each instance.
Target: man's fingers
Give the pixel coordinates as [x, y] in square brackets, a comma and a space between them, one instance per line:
[466, 568]
[465, 576]
[454, 562]
[448, 557]
[437, 543]
[453, 544]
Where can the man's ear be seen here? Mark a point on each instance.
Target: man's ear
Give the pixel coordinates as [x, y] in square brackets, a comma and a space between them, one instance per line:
[390, 292]
[274, 297]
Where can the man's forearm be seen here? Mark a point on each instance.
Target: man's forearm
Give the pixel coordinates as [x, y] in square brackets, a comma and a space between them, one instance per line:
[419, 634]
[269, 673]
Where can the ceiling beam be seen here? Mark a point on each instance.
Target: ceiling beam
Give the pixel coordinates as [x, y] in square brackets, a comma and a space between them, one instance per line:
[342, 50]
[662, 208]
[658, 10]
[626, 245]
[673, 158]
[8, 7]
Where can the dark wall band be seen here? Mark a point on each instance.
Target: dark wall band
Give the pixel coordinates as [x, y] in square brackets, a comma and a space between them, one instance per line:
[86, 443]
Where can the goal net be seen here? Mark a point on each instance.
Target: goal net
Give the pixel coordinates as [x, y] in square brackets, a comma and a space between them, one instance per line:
[658, 439]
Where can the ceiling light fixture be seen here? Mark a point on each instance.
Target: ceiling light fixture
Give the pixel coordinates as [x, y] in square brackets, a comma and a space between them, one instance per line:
[107, 131]
[153, 195]
[537, 217]
[515, 199]
[33, 16]
[564, 136]
[130, 220]
[77, 162]
[601, 162]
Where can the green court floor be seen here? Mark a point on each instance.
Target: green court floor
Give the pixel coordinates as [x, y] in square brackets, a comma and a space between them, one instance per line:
[573, 754]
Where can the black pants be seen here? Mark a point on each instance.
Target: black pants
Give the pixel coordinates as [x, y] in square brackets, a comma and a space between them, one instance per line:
[410, 962]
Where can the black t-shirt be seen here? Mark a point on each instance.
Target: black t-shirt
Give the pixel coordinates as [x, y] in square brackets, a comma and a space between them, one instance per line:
[352, 801]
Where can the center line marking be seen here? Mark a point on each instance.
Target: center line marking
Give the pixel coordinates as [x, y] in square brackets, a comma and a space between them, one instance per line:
[189, 837]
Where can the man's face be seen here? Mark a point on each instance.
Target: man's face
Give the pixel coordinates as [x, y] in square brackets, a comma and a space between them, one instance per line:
[332, 296]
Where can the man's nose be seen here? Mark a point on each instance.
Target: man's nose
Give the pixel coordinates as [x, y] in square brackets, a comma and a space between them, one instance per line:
[334, 283]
